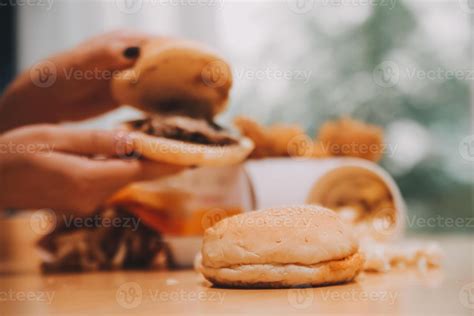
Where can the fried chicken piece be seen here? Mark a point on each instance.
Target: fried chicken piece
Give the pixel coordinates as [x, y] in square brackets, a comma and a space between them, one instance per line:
[257, 133]
[348, 137]
[278, 140]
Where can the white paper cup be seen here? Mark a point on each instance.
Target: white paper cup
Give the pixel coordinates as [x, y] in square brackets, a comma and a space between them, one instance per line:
[286, 181]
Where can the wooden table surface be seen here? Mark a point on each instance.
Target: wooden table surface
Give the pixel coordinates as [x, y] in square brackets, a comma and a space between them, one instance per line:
[448, 290]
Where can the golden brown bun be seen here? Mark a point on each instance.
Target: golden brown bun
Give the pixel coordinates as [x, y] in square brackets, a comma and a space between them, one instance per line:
[175, 76]
[286, 275]
[280, 247]
[182, 153]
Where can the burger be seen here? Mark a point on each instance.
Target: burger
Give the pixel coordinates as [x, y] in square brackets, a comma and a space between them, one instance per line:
[181, 86]
[280, 248]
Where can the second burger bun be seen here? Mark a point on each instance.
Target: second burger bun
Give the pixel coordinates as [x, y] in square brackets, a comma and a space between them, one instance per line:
[280, 247]
[171, 75]
[182, 153]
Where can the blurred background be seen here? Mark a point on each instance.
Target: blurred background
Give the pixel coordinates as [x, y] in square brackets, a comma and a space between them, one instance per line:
[404, 65]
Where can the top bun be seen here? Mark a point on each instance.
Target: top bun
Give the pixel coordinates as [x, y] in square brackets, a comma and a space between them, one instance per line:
[175, 76]
[305, 235]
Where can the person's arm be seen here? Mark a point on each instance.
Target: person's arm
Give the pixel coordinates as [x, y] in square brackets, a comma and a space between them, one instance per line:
[47, 166]
[71, 86]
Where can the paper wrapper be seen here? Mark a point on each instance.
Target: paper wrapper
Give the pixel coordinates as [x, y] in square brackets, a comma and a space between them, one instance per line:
[361, 191]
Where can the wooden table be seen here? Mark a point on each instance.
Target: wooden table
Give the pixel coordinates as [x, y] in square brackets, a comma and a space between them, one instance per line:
[449, 290]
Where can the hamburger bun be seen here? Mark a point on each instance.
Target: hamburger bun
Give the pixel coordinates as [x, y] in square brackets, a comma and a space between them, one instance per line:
[279, 248]
[173, 74]
[177, 152]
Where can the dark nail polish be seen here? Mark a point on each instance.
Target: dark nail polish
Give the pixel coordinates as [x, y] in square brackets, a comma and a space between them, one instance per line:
[132, 52]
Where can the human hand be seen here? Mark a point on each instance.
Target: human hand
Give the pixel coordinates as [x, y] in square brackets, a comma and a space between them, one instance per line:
[47, 166]
[73, 85]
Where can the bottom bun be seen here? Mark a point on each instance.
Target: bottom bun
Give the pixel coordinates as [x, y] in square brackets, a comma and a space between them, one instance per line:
[285, 275]
[182, 153]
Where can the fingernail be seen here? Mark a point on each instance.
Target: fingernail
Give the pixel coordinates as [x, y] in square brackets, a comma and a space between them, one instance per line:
[132, 52]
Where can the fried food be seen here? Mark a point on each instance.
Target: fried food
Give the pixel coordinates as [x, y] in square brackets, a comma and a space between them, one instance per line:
[278, 140]
[344, 137]
[348, 137]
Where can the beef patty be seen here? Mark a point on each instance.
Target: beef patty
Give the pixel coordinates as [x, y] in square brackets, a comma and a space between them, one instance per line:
[187, 129]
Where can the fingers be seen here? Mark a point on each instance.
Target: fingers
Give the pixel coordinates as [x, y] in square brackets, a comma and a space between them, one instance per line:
[77, 141]
[96, 181]
[115, 50]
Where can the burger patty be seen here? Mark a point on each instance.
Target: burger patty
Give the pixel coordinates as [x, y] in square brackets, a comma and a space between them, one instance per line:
[187, 129]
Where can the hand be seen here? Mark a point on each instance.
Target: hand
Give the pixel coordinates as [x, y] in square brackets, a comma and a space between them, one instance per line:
[46, 166]
[73, 85]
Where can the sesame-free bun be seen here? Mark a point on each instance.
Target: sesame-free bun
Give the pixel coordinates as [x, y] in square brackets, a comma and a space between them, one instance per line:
[175, 76]
[304, 245]
[182, 153]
